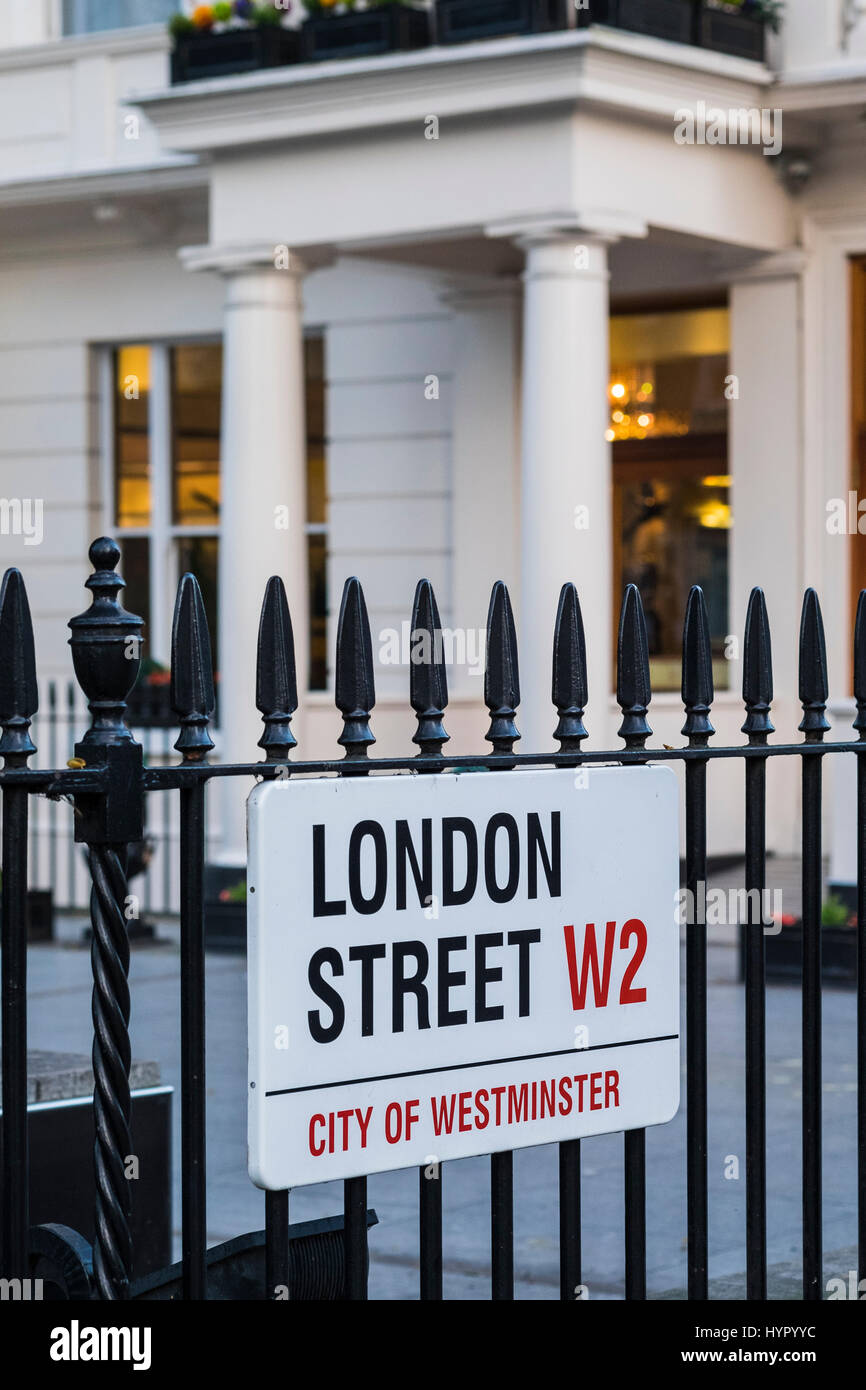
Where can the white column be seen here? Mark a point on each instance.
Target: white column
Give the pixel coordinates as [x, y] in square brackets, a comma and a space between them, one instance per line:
[566, 474]
[766, 457]
[263, 495]
[485, 456]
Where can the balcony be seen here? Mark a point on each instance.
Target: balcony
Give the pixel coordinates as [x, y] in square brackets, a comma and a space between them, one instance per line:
[242, 38]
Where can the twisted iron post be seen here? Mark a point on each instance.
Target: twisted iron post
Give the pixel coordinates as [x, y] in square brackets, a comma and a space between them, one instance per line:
[106, 655]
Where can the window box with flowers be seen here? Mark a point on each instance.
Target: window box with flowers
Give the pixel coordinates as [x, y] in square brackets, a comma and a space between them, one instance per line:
[340, 30]
[225, 909]
[233, 37]
[148, 704]
[458, 21]
[784, 946]
[738, 27]
[661, 19]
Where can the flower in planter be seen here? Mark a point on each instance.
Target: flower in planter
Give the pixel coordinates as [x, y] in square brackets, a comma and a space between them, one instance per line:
[153, 673]
[202, 17]
[244, 9]
[222, 11]
[180, 25]
[270, 14]
[835, 913]
[237, 893]
[770, 11]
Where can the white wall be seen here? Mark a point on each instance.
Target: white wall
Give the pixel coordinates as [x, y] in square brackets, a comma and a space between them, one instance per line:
[811, 35]
[53, 312]
[62, 105]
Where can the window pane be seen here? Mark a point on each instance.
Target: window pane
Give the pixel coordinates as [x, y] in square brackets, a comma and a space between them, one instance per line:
[199, 555]
[317, 551]
[668, 374]
[196, 375]
[314, 368]
[673, 526]
[88, 16]
[132, 436]
[135, 568]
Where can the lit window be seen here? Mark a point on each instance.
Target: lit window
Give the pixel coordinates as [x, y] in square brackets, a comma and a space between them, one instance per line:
[671, 489]
[165, 469]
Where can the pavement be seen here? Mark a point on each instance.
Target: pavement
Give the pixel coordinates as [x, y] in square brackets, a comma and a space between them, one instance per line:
[59, 991]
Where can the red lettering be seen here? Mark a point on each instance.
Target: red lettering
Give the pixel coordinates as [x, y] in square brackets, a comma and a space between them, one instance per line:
[634, 927]
[464, 1124]
[442, 1119]
[393, 1122]
[411, 1115]
[518, 1103]
[363, 1124]
[481, 1107]
[611, 1087]
[595, 1091]
[316, 1149]
[580, 979]
[579, 1080]
[548, 1098]
[565, 1099]
[498, 1092]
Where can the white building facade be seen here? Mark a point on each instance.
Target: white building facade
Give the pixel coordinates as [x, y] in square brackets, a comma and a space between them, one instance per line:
[495, 310]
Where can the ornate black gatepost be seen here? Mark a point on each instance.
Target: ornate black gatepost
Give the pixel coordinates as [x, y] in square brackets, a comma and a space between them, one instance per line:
[106, 642]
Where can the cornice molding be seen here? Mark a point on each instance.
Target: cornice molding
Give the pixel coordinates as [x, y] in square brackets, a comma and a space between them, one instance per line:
[593, 225]
[174, 174]
[110, 43]
[238, 258]
[599, 68]
[781, 265]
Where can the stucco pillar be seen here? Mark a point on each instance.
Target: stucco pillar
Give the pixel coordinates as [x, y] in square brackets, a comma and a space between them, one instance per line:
[485, 459]
[766, 459]
[263, 494]
[565, 517]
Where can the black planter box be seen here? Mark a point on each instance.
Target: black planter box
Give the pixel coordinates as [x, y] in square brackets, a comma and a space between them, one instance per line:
[149, 707]
[225, 926]
[391, 28]
[225, 923]
[784, 954]
[40, 914]
[236, 50]
[61, 1132]
[460, 20]
[662, 19]
[682, 21]
[742, 35]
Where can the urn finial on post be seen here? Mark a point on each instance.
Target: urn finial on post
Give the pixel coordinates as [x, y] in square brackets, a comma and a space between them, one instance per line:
[106, 647]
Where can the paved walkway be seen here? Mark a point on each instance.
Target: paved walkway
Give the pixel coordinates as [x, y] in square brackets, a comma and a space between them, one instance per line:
[60, 1020]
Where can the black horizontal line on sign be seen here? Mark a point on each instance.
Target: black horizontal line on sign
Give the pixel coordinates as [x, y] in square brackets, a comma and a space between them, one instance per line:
[462, 1066]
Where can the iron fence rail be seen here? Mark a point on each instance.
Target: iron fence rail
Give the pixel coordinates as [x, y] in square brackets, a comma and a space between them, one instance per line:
[107, 786]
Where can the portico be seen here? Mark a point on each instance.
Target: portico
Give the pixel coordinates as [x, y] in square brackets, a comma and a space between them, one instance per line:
[507, 215]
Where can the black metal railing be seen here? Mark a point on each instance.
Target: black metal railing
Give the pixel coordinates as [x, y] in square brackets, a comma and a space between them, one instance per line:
[109, 780]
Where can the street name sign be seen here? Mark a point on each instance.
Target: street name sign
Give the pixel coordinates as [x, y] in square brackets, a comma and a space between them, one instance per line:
[446, 965]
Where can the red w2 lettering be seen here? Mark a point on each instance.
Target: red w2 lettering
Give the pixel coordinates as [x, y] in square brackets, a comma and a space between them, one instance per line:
[633, 929]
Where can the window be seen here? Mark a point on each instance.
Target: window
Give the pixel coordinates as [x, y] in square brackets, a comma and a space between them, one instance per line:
[90, 16]
[164, 481]
[671, 490]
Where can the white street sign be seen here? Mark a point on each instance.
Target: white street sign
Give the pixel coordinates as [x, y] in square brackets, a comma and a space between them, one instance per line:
[432, 976]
